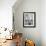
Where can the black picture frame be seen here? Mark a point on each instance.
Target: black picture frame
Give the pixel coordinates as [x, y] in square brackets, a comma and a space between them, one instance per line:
[29, 19]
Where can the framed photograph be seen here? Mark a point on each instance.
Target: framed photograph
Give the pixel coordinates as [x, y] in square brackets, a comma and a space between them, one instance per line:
[29, 19]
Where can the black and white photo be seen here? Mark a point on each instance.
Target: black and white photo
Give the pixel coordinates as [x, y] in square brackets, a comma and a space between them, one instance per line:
[29, 19]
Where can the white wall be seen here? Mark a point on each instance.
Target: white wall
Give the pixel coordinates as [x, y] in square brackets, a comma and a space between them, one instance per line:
[6, 13]
[43, 22]
[30, 33]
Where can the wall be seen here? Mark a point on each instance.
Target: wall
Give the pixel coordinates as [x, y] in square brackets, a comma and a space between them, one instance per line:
[29, 33]
[6, 13]
[43, 22]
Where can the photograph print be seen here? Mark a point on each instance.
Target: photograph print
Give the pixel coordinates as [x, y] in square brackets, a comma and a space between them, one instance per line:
[29, 19]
